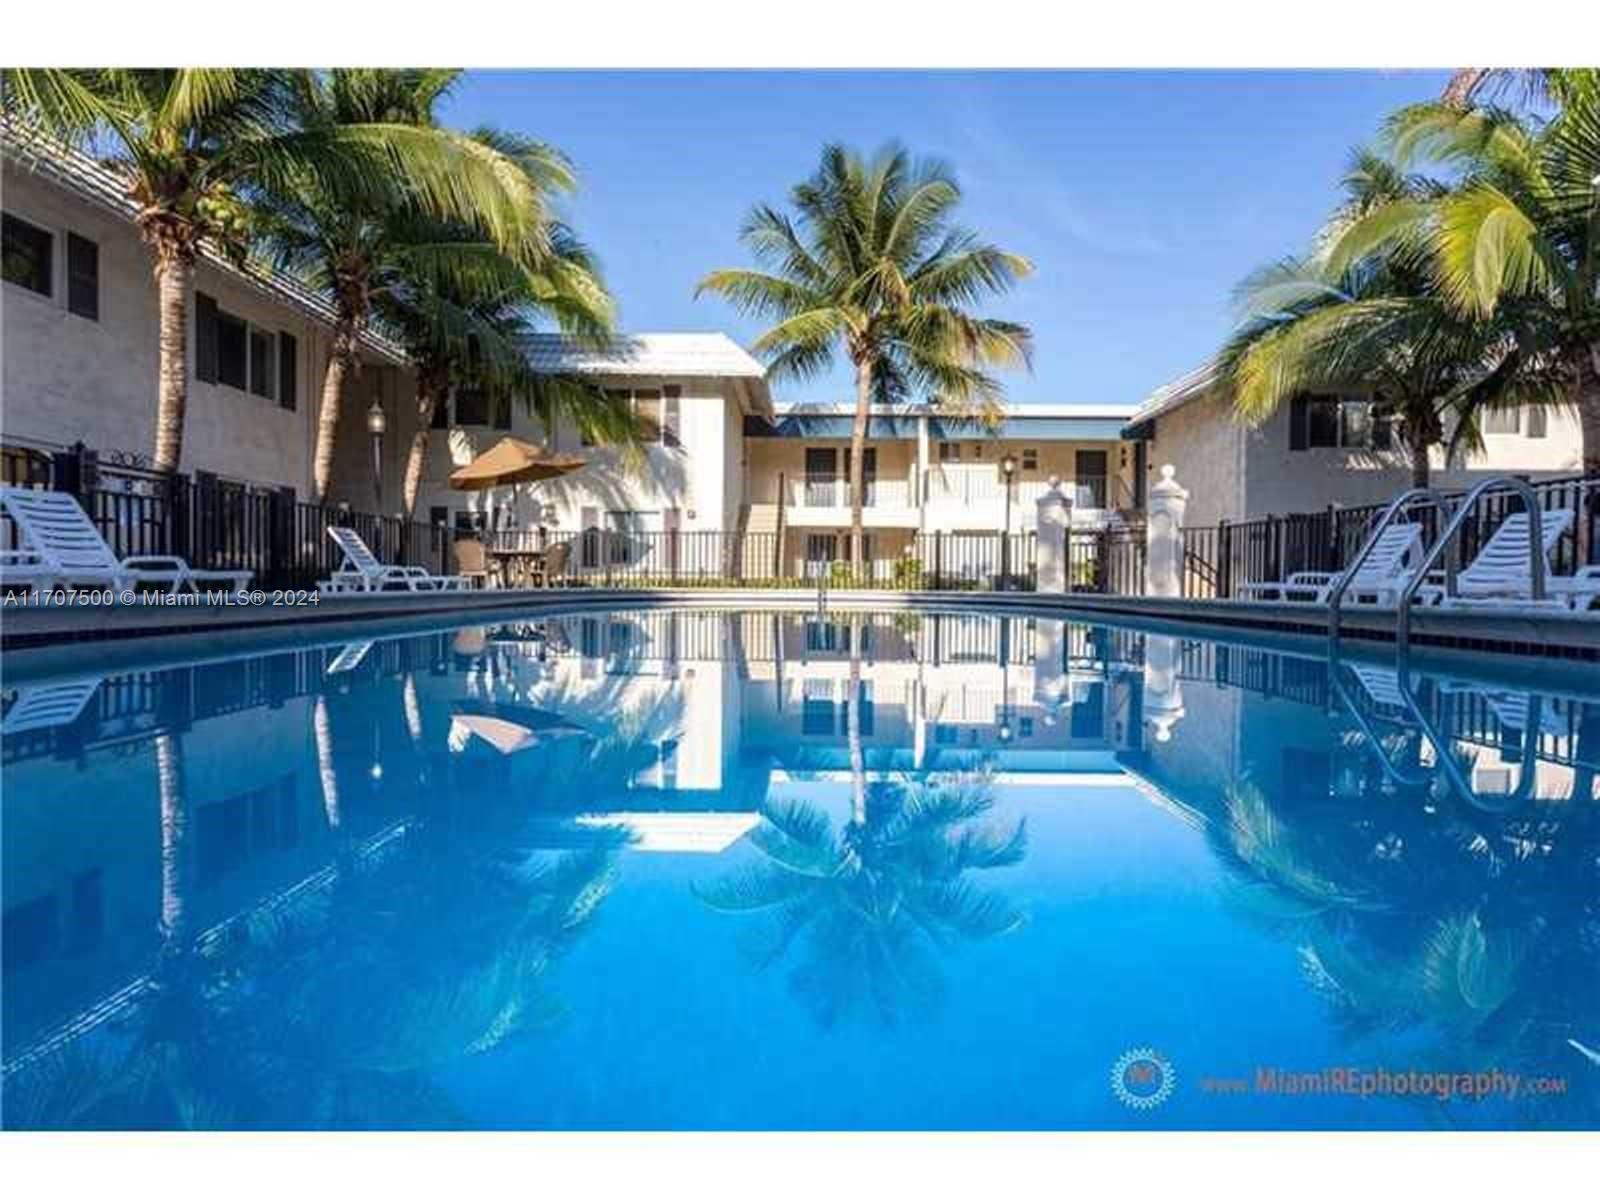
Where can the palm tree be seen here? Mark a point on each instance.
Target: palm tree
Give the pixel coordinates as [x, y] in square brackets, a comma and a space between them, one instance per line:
[1376, 324]
[875, 900]
[1518, 237]
[197, 146]
[466, 329]
[356, 253]
[1536, 85]
[873, 264]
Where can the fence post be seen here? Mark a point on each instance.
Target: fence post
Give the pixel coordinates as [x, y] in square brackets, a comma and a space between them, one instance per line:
[938, 559]
[1163, 561]
[1224, 559]
[280, 537]
[75, 470]
[1053, 547]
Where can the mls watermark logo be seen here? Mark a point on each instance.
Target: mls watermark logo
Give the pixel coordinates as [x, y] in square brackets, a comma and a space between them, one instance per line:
[1142, 1078]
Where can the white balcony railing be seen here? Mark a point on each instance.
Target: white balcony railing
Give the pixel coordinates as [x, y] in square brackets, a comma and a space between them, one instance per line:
[986, 487]
[835, 493]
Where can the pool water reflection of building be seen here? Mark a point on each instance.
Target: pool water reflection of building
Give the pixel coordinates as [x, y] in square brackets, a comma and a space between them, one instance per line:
[358, 884]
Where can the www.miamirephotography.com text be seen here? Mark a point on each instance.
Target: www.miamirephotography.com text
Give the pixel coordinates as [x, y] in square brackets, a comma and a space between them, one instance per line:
[1368, 1082]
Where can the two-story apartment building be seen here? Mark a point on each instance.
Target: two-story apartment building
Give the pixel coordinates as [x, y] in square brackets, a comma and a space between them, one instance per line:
[79, 360]
[1322, 450]
[78, 339]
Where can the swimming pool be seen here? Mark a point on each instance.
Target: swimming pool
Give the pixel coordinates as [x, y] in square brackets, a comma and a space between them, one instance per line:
[709, 870]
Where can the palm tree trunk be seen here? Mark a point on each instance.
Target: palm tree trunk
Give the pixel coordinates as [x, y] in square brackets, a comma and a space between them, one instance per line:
[428, 396]
[1421, 468]
[343, 364]
[174, 271]
[852, 725]
[174, 825]
[1586, 396]
[858, 454]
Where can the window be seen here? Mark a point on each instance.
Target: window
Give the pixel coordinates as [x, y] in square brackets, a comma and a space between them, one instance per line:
[1327, 423]
[1030, 459]
[1324, 423]
[1024, 727]
[1502, 420]
[438, 514]
[472, 406]
[288, 371]
[647, 411]
[233, 338]
[83, 277]
[1355, 424]
[672, 416]
[27, 256]
[1538, 422]
[263, 364]
[949, 452]
[502, 412]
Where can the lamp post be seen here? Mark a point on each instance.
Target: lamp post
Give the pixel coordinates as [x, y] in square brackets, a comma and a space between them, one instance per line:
[1008, 469]
[376, 424]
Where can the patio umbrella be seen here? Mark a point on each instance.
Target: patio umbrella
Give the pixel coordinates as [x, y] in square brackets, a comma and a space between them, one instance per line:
[510, 461]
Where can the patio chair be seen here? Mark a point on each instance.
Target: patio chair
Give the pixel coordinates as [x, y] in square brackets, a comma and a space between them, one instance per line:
[62, 548]
[553, 567]
[472, 561]
[1378, 580]
[48, 706]
[362, 574]
[1499, 571]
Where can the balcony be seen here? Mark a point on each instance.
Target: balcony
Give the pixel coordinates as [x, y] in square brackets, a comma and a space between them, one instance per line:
[979, 494]
[825, 500]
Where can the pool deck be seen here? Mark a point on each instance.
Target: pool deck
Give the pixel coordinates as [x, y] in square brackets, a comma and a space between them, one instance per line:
[49, 640]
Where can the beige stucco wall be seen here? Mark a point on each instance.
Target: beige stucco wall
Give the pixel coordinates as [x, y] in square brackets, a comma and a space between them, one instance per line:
[1207, 450]
[693, 478]
[1280, 480]
[66, 378]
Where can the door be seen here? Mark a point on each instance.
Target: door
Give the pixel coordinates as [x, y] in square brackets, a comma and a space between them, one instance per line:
[822, 476]
[1089, 473]
[869, 476]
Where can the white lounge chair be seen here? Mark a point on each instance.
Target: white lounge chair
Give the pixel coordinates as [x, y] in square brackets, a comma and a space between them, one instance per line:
[1378, 580]
[48, 706]
[62, 548]
[361, 572]
[349, 658]
[1499, 571]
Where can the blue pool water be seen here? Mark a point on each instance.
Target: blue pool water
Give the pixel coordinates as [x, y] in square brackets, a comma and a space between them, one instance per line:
[697, 870]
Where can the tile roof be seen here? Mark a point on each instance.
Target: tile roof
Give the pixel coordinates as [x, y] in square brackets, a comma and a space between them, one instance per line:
[710, 355]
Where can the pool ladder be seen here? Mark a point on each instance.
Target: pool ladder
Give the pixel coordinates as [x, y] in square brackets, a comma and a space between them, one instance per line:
[1445, 540]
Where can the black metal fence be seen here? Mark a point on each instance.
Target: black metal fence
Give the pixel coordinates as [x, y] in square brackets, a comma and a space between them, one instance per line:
[216, 523]
[221, 524]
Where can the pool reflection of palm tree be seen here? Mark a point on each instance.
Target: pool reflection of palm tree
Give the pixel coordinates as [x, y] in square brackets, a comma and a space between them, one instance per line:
[1409, 916]
[872, 904]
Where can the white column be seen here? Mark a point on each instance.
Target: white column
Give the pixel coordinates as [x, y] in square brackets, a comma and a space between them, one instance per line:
[1049, 666]
[1163, 562]
[1163, 694]
[920, 484]
[1053, 524]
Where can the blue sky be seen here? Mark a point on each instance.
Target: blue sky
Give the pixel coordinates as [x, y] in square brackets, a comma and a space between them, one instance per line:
[1141, 197]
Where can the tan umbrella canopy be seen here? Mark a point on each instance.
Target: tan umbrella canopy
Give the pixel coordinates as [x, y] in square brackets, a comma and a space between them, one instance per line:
[512, 460]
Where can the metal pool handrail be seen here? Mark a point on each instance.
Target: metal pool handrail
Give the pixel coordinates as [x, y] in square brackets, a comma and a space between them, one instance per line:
[1398, 505]
[1530, 503]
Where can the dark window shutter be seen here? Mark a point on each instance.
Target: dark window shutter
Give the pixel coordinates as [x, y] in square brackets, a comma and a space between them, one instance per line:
[502, 412]
[288, 371]
[83, 277]
[1300, 423]
[1538, 421]
[205, 338]
[671, 416]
